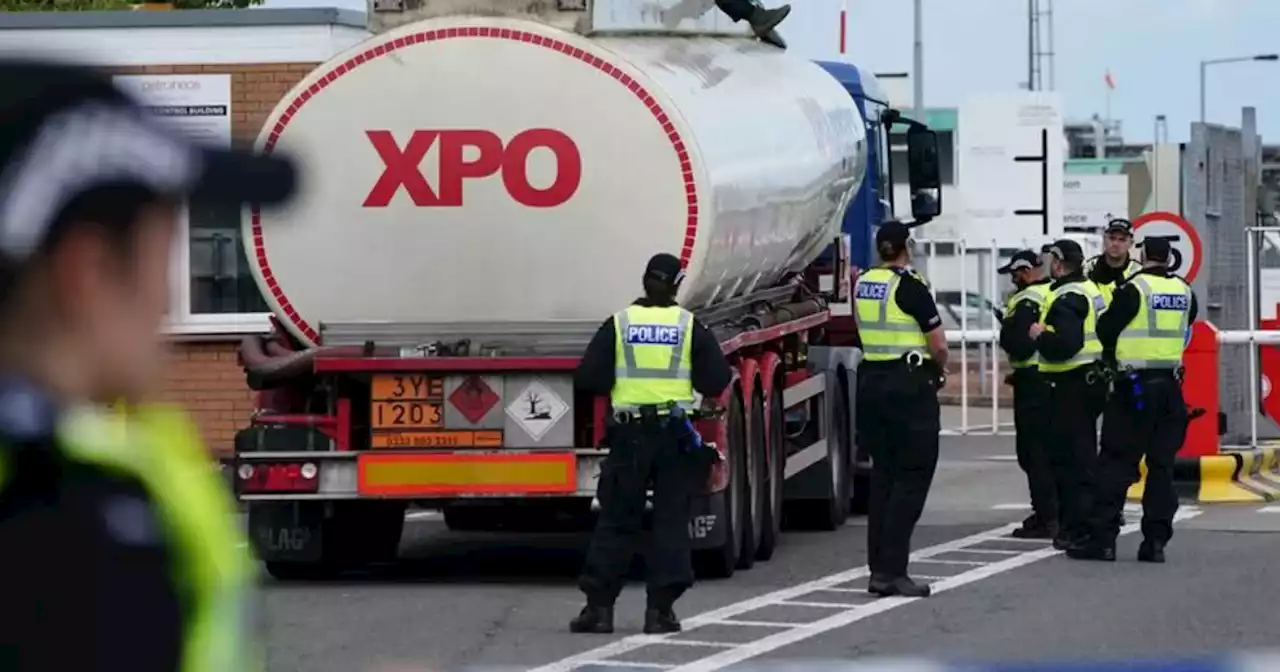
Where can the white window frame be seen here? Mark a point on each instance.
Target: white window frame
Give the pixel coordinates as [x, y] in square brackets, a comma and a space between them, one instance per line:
[183, 322]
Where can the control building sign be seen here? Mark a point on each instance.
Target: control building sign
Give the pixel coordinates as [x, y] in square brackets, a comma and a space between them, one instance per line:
[197, 106]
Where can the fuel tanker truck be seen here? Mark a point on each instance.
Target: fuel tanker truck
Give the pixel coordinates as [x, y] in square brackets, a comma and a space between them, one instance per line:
[483, 187]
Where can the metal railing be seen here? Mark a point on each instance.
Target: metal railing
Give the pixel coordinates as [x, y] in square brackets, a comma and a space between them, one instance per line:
[984, 342]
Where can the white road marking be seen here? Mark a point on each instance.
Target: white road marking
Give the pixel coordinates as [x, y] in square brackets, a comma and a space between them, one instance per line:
[999, 458]
[1012, 507]
[1273, 508]
[791, 633]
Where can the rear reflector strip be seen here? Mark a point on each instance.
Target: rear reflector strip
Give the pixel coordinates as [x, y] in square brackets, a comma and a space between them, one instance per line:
[459, 474]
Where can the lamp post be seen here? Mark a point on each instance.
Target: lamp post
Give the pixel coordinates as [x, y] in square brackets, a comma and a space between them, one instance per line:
[1204, 67]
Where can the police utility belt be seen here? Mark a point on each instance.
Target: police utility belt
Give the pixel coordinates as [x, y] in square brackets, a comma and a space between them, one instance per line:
[651, 413]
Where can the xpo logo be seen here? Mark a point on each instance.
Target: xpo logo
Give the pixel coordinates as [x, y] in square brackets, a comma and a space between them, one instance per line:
[489, 156]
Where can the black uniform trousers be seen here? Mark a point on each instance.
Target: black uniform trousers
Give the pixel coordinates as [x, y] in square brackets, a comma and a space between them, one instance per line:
[643, 453]
[1149, 421]
[738, 10]
[1031, 422]
[897, 423]
[1074, 406]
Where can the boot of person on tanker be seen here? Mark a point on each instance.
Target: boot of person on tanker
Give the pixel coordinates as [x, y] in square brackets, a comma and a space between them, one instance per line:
[898, 418]
[121, 549]
[1069, 353]
[1030, 393]
[1143, 333]
[763, 21]
[649, 359]
[1109, 269]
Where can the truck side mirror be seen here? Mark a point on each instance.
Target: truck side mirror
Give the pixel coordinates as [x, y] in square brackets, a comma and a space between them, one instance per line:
[923, 168]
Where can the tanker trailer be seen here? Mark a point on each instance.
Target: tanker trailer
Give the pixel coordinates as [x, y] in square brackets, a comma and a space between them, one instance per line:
[481, 191]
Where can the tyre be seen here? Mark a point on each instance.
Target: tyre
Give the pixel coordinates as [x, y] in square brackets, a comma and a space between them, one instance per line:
[835, 509]
[468, 519]
[720, 563]
[775, 473]
[753, 519]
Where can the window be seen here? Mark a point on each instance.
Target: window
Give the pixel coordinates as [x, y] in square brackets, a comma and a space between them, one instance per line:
[214, 289]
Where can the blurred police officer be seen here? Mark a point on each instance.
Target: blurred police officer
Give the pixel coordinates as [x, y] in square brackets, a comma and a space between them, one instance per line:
[1144, 333]
[120, 545]
[1109, 269]
[1067, 343]
[904, 355]
[650, 359]
[1030, 394]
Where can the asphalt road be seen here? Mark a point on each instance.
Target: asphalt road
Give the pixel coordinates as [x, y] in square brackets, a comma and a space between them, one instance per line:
[467, 600]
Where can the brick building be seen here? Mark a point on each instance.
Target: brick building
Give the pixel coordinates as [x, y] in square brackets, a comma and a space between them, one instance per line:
[260, 54]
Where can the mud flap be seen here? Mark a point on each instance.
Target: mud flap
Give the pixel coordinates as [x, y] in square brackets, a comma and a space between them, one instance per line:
[287, 531]
[705, 528]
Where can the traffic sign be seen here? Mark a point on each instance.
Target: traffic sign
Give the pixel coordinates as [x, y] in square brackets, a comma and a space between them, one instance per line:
[1182, 236]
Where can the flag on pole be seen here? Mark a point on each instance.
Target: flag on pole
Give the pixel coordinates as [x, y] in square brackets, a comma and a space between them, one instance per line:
[1111, 81]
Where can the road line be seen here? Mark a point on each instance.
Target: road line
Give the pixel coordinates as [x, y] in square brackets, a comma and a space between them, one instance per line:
[1273, 508]
[795, 632]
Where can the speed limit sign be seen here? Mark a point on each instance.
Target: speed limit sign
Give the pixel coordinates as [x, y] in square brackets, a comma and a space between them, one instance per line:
[1182, 237]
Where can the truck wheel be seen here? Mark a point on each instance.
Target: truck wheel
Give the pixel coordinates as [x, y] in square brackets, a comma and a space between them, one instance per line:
[775, 474]
[754, 517]
[364, 531]
[839, 441]
[720, 563]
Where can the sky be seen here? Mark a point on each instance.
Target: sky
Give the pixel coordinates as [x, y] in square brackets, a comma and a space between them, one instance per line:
[1152, 49]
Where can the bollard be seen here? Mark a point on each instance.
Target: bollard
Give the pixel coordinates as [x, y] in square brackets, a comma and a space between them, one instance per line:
[1200, 390]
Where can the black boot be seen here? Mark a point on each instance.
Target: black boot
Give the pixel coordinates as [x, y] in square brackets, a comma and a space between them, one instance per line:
[593, 619]
[900, 586]
[1034, 528]
[660, 621]
[763, 21]
[1089, 549]
[1151, 551]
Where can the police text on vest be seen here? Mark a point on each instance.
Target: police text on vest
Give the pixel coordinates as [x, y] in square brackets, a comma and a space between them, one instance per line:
[875, 291]
[1169, 302]
[654, 334]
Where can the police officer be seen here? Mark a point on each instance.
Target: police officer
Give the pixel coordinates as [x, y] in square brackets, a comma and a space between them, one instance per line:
[1109, 269]
[904, 355]
[120, 546]
[1069, 350]
[1030, 394]
[1144, 332]
[650, 359]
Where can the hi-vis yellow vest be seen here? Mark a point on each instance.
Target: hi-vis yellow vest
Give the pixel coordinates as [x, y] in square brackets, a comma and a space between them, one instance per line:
[1037, 294]
[1156, 336]
[652, 350]
[1092, 349]
[1108, 289]
[886, 331]
[213, 570]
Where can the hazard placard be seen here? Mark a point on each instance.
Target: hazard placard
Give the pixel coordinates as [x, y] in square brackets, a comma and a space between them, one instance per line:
[537, 409]
[1182, 236]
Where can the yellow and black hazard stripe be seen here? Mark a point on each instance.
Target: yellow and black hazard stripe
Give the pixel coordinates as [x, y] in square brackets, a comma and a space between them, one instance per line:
[1231, 477]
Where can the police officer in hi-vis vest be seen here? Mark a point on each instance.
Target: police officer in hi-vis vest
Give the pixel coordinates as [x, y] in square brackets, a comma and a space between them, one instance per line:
[121, 549]
[1030, 393]
[1109, 269]
[649, 359]
[1144, 333]
[904, 356]
[1067, 344]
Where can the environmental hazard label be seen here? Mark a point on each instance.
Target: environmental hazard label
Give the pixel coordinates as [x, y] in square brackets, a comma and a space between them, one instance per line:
[537, 409]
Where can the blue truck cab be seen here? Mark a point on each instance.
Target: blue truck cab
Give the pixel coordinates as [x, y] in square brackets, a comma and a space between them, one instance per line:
[871, 205]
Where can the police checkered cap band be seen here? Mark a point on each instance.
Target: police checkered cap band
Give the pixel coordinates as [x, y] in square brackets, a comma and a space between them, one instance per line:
[1019, 264]
[80, 148]
[675, 282]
